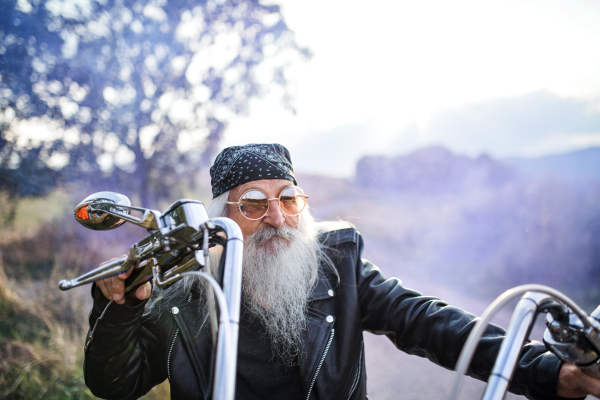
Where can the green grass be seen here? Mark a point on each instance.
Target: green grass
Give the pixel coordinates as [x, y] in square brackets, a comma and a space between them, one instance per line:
[42, 333]
[42, 330]
[40, 355]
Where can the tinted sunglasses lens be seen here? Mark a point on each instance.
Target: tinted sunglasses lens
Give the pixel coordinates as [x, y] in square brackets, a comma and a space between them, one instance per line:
[292, 200]
[254, 204]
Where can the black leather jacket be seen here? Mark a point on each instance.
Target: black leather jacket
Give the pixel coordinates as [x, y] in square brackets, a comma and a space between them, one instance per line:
[131, 352]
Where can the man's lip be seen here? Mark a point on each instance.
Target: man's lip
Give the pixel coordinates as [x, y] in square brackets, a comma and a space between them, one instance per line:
[275, 238]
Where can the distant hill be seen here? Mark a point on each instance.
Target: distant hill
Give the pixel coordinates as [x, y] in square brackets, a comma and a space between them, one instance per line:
[429, 170]
[576, 165]
[436, 169]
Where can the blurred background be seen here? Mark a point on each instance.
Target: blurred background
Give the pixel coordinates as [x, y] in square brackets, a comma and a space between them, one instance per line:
[461, 138]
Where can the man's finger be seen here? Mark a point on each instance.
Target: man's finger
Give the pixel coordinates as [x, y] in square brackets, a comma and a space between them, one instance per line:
[114, 288]
[143, 292]
[104, 289]
[593, 372]
[117, 289]
[126, 274]
[589, 384]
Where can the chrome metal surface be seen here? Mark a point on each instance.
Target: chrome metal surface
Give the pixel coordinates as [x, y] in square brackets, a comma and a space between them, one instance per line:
[189, 263]
[596, 314]
[564, 338]
[568, 338]
[518, 329]
[178, 243]
[98, 220]
[541, 298]
[158, 277]
[108, 210]
[185, 212]
[232, 277]
[108, 270]
[232, 288]
[150, 219]
[226, 357]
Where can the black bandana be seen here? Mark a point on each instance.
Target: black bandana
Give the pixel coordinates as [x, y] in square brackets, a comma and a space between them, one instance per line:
[237, 165]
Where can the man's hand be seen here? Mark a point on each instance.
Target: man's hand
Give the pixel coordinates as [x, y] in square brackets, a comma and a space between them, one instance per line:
[574, 383]
[114, 288]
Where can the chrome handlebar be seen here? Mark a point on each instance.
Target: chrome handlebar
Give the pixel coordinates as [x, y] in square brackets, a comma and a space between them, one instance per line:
[177, 245]
[108, 270]
[571, 341]
[571, 335]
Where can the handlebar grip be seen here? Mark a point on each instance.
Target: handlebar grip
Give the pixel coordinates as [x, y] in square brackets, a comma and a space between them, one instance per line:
[138, 277]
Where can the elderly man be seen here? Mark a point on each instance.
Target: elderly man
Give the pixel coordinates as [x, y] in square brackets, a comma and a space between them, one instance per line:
[307, 298]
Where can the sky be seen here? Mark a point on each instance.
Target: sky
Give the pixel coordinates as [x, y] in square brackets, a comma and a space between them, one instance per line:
[506, 78]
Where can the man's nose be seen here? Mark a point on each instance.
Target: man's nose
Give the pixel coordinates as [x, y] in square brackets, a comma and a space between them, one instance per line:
[274, 216]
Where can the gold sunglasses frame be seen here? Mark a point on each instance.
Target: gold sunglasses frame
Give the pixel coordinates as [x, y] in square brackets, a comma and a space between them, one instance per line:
[239, 203]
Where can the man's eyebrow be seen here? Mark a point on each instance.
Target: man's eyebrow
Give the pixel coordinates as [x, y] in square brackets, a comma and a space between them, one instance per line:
[264, 190]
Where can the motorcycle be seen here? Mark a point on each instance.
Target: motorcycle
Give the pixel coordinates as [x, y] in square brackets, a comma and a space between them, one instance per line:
[177, 246]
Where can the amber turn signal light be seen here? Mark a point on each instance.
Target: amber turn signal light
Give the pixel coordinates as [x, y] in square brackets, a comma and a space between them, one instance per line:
[82, 213]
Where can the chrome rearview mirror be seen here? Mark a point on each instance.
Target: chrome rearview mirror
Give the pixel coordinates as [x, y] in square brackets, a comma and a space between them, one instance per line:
[103, 211]
[94, 212]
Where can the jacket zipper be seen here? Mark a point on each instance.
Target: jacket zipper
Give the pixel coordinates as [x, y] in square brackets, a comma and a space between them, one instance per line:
[312, 383]
[169, 356]
[355, 384]
[171, 347]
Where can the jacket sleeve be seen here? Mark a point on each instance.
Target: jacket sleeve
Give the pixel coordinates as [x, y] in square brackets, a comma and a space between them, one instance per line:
[124, 349]
[428, 327]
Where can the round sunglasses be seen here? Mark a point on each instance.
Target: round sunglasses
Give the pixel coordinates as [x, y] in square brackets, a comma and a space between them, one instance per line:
[254, 204]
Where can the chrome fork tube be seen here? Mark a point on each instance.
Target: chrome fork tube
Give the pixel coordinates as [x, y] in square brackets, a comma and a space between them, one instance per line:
[542, 296]
[518, 330]
[226, 362]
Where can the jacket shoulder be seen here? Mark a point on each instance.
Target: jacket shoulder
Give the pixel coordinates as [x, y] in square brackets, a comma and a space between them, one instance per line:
[334, 233]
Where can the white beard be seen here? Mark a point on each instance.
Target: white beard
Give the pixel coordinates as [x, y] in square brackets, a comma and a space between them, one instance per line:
[280, 270]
